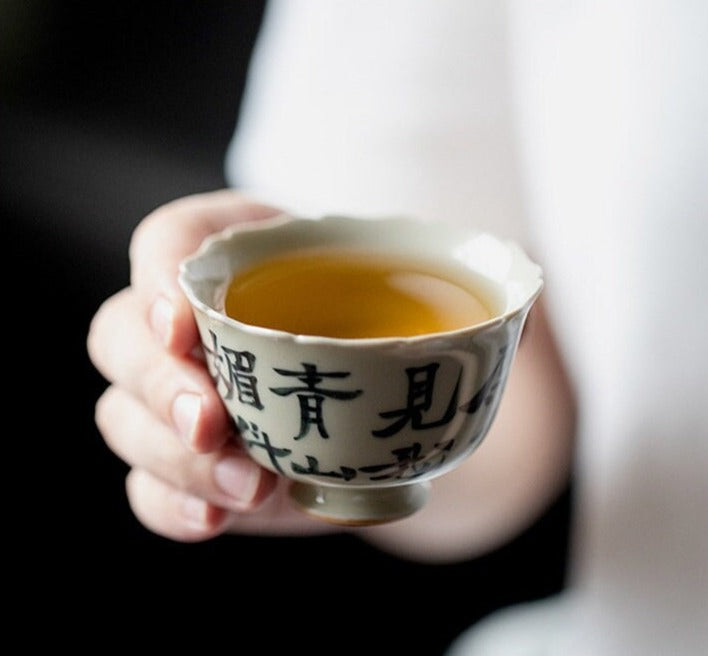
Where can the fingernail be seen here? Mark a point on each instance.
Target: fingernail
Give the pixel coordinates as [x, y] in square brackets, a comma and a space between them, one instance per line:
[195, 511]
[161, 316]
[185, 414]
[238, 478]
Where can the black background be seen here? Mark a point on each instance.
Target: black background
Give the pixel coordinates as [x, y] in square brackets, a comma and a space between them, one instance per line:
[108, 110]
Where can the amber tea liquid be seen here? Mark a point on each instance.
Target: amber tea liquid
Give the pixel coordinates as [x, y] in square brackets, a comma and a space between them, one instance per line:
[352, 295]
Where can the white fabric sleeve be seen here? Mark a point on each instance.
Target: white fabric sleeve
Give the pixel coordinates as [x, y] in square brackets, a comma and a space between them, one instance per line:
[375, 108]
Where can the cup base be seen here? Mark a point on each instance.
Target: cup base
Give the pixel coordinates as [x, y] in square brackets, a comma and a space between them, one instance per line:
[350, 506]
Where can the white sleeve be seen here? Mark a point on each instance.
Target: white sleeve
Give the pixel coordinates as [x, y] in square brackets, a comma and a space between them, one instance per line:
[378, 108]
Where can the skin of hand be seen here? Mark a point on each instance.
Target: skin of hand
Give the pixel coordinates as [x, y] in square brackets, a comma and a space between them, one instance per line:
[190, 480]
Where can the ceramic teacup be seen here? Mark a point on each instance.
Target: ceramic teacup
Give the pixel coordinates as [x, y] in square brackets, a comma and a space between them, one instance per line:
[361, 425]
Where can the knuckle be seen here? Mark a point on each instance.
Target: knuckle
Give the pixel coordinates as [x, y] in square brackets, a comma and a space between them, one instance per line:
[104, 416]
[140, 240]
[94, 337]
[135, 489]
[101, 335]
[149, 228]
[92, 341]
[136, 239]
[101, 409]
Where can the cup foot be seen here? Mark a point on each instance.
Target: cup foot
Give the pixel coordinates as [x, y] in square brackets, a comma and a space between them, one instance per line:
[351, 506]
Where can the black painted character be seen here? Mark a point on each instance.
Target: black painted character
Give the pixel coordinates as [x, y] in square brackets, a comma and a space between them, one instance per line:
[410, 462]
[254, 438]
[421, 381]
[311, 396]
[239, 374]
[486, 394]
[313, 468]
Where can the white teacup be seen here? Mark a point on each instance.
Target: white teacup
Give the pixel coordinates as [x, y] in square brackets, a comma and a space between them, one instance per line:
[361, 426]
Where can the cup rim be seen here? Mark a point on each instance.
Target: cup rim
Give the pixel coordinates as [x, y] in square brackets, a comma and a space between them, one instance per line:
[523, 268]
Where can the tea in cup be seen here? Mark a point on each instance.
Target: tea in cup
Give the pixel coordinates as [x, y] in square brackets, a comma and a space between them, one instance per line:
[333, 292]
[359, 358]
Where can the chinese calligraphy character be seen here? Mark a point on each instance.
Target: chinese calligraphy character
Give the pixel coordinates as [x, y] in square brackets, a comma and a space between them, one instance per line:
[421, 381]
[311, 397]
[313, 467]
[485, 394]
[241, 365]
[239, 375]
[409, 462]
[273, 452]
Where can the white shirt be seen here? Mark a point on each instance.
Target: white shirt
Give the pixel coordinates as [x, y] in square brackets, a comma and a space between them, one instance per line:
[581, 129]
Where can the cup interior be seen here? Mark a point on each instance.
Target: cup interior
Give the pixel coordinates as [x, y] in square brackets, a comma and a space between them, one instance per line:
[498, 268]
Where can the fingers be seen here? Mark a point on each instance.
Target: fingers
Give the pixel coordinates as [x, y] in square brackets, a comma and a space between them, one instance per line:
[162, 240]
[170, 512]
[178, 390]
[226, 478]
[143, 341]
[190, 497]
[175, 514]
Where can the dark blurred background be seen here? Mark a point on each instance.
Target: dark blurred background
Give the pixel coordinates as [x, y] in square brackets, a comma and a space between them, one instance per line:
[108, 110]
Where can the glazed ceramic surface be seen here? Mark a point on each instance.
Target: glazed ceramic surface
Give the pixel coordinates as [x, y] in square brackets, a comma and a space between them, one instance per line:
[361, 425]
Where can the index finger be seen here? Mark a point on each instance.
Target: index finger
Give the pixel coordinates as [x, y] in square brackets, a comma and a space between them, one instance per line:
[162, 240]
